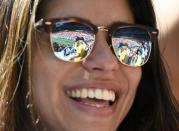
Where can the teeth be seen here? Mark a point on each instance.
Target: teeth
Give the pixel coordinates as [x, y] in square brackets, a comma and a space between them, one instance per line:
[84, 93]
[105, 94]
[78, 93]
[68, 93]
[91, 93]
[95, 105]
[73, 94]
[100, 94]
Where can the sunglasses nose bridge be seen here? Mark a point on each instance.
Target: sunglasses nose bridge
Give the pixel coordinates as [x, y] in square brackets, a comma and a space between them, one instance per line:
[103, 28]
[108, 37]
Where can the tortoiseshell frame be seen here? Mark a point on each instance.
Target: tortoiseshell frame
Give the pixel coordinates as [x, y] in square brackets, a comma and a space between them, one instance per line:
[47, 25]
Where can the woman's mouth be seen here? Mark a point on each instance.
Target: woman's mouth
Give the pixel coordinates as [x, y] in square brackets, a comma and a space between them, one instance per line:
[98, 98]
[94, 98]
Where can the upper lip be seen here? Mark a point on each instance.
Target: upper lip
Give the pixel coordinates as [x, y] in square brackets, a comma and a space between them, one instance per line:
[95, 84]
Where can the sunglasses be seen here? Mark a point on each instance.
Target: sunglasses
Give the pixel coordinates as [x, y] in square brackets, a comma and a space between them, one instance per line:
[73, 40]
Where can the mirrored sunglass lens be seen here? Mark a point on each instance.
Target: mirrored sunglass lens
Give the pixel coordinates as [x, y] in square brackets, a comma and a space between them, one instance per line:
[71, 41]
[132, 46]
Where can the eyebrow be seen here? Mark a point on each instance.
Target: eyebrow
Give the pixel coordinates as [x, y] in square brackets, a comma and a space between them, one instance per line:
[87, 21]
[105, 28]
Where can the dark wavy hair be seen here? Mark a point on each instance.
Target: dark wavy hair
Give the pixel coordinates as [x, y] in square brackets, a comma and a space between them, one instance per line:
[154, 108]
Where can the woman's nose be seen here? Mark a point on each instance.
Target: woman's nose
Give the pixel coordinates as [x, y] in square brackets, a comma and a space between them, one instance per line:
[101, 58]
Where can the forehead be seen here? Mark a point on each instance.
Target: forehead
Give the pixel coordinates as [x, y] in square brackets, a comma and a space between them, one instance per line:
[99, 12]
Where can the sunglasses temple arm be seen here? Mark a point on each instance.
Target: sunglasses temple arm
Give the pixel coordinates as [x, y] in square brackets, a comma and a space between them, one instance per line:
[39, 23]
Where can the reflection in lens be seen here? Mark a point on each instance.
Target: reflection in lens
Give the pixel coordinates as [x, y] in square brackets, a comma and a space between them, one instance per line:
[72, 45]
[130, 51]
[132, 45]
[71, 41]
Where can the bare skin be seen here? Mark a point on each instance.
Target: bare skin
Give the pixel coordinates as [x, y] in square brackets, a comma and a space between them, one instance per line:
[52, 77]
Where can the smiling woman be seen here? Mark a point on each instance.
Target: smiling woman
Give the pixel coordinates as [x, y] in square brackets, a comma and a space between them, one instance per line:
[82, 66]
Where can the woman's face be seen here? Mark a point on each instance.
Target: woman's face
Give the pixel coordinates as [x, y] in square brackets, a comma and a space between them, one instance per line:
[100, 76]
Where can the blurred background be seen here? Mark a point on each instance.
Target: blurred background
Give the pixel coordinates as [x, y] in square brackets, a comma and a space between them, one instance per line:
[167, 12]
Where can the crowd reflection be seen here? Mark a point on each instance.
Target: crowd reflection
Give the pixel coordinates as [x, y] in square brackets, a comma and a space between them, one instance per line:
[72, 46]
[131, 51]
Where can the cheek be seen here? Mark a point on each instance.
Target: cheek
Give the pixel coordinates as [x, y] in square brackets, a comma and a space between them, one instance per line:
[48, 73]
[46, 68]
[133, 76]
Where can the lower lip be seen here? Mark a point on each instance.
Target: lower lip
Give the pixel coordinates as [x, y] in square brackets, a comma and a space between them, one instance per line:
[94, 111]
